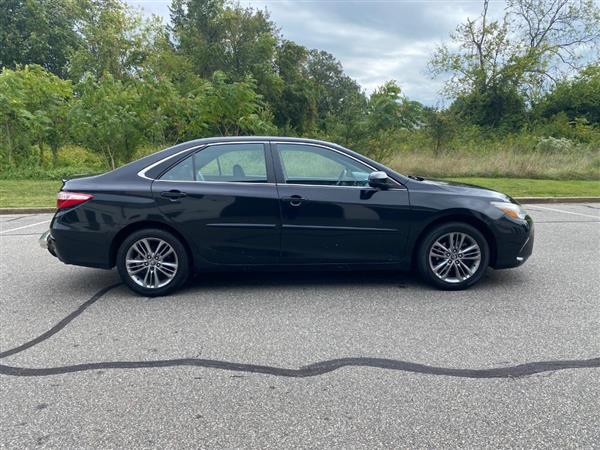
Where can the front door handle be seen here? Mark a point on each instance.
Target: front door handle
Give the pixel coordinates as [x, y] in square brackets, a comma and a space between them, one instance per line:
[294, 200]
[173, 195]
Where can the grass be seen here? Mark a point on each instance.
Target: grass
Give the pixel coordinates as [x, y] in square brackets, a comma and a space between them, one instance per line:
[28, 193]
[42, 193]
[523, 187]
[500, 164]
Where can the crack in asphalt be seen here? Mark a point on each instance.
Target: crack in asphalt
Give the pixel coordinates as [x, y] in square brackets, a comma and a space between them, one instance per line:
[311, 370]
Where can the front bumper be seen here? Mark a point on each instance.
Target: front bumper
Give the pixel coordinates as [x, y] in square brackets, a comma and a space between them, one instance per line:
[527, 249]
[46, 241]
[517, 246]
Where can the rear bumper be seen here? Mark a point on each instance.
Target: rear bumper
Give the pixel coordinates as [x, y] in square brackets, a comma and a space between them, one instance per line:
[47, 242]
[75, 237]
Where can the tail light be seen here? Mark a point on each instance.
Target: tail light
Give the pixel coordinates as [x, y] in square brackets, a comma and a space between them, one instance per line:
[67, 199]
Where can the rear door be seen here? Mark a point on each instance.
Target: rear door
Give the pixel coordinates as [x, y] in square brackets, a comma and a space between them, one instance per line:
[329, 212]
[223, 198]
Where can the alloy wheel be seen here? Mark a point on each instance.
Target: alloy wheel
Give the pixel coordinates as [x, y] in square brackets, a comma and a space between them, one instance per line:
[151, 263]
[454, 257]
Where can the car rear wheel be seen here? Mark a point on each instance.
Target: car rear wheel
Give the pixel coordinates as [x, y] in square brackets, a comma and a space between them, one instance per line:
[453, 256]
[152, 262]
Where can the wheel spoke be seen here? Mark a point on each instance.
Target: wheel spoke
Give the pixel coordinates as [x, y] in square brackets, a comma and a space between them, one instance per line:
[167, 269]
[437, 253]
[140, 251]
[446, 270]
[457, 273]
[159, 246]
[165, 272]
[145, 282]
[465, 267]
[440, 265]
[135, 261]
[136, 270]
[440, 245]
[462, 240]
[471, 248]
[167, 252]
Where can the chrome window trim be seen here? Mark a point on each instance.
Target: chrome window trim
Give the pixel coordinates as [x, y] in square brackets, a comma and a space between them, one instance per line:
[245, 183]
[346, 187]
[399, 186]
[142, 173]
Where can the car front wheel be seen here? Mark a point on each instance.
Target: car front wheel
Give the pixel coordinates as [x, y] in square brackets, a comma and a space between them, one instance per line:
[453, 256]
[152, 262]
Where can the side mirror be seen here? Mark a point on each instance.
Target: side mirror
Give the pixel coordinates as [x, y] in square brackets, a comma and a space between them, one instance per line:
[378, 179]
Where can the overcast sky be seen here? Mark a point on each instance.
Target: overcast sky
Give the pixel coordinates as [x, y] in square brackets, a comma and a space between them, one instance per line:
[375, 40]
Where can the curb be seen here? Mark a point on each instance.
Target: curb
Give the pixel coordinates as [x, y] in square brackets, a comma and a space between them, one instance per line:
[27, 210]
[558, 199]
[519, 199]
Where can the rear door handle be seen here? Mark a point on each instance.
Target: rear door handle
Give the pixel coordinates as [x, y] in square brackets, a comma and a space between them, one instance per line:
[173, 194]
[294, 200]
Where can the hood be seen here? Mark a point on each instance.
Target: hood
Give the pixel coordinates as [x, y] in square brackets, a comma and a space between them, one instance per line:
[465, 189]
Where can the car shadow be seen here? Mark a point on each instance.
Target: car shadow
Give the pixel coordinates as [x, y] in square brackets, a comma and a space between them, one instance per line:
[302, 279]
[384, 278]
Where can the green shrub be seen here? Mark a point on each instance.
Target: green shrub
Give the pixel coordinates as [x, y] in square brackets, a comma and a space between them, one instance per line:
[146, 150]
[554, 145]
[75, 156]
[38, 173]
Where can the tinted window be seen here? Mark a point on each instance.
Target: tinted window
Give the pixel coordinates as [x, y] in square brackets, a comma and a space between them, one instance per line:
[183, 171]
[308, 164]
[223, 162]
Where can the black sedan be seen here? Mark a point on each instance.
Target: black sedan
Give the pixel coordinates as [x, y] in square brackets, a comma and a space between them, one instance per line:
[262, 202]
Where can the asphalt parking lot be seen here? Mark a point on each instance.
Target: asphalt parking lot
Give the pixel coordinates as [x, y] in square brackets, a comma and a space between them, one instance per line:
[304, 359]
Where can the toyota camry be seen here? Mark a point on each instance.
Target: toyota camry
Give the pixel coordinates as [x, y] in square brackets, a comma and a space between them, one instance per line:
[280, 203]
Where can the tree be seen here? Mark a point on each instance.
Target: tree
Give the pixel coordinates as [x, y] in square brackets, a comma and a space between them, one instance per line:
[439, 126]
[295, 108]
[224, 108]
[387, 113]
[555, 36]
[39, 32]
[14, 117]
[216, 35]
[115, 40]
[494, 62]
[234, 109]
[388, 109]
[160, 108]
[332, 86]
[577, 98]
[48, 100]
[349, 125]
[106, 118]
[33, 110]
[196, 27]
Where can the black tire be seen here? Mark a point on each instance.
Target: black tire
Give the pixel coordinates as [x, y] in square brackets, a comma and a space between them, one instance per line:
[423, 253]
[179, 257]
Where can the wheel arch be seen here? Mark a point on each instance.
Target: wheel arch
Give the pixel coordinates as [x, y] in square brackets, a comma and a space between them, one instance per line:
[458, 216]
[146, 224]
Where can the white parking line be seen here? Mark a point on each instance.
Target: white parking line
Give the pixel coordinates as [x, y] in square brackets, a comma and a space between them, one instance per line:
[24, 226]
[564, 212]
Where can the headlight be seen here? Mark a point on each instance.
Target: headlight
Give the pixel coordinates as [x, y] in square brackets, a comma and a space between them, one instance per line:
[511, 210]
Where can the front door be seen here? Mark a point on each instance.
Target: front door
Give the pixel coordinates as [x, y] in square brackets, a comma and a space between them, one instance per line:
[223, 199]
[330, 214]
